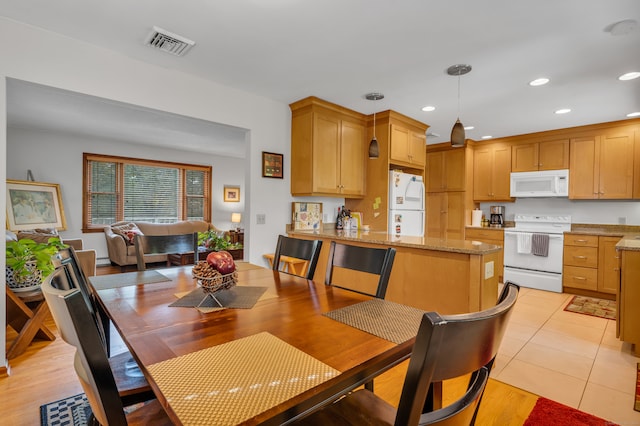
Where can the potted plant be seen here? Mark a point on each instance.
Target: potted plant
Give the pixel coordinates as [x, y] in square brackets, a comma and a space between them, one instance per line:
[28, 262]
[214, 240]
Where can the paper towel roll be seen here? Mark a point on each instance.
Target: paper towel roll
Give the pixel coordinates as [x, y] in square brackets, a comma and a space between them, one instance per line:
[476, 218]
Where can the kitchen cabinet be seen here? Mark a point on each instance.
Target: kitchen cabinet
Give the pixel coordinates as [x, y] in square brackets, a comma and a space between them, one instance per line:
[590, 263]
[446, 170]
[327, 150]
[489, 236]
[492, 172]
[628, 314]
[408, 147]
[446, 215]
[547, 155]
[601, 166]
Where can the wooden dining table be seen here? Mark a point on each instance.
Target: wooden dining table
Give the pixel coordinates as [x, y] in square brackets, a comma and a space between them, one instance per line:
[186, 349]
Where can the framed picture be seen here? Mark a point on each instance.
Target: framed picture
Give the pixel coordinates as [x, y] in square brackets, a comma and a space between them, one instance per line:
[32, 205]
[272, 165]
[306, 216]
[232, 194]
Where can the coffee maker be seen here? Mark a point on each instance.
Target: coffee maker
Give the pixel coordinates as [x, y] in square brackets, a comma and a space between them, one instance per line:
[497, 216]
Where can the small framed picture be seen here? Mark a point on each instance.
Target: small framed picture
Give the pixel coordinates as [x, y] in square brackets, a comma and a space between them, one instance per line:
[232, 194]
[272, 165]
[33, 205]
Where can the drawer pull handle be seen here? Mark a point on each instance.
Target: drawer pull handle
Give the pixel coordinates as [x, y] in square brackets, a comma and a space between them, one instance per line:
[581, 241]
[580, 257]
[580, 278]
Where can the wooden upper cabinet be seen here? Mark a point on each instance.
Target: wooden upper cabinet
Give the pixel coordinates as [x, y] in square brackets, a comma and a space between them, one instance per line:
[548, 155]
[492, 173]
[407, 147]
[446, 170]
[327, 150]
[601, 166]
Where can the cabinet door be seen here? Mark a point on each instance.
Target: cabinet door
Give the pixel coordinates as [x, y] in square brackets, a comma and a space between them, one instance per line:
[455, 216]
[501, 180]
[553, 155]
[417, 149]
[435, 171]
[608, 265]
[436, 214]
[524, 157]
[399, 144]
[326, 145]
[482, 174]
[454, 170]
[616, 166]
[352, 158]
[582, 169]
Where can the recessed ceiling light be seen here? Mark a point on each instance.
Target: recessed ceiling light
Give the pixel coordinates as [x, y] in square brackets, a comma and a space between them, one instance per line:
[428, 108]
[487, 137]
[563, 111]
[469, 127]
[539, 82]
[629, 76]
[634, 114]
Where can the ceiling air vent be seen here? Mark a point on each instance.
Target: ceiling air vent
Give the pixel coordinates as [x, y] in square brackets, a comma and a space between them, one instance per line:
[169, 42]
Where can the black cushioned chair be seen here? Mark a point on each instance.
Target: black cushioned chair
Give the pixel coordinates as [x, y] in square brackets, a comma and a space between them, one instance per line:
[446, 346]
[78, 328]
[376, 261]
[308, 250]
[165, 244]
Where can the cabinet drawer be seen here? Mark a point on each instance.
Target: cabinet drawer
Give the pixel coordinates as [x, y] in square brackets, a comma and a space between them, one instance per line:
[581, 256]
[484, 234]
[585, 278]
[581, 240]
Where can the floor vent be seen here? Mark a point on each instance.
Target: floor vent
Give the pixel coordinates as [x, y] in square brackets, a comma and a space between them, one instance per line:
[169, 42]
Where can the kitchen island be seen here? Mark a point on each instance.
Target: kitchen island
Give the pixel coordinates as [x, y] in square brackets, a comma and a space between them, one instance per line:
[627, 314]
[432, 274]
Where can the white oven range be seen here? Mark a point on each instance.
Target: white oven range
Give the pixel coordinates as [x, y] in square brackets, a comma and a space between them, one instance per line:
[538, 264]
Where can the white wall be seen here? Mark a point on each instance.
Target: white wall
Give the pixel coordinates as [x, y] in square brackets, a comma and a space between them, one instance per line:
[581, 211]
[61, 163]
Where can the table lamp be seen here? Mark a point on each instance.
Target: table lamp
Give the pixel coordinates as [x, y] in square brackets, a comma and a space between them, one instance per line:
[236, 218]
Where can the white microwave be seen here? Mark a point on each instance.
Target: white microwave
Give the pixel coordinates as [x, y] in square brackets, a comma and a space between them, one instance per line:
[547, 183]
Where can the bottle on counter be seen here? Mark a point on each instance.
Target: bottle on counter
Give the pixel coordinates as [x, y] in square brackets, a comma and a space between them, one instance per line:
[339, 220]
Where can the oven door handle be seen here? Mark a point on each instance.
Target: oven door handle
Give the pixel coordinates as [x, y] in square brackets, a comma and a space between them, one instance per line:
[551, 236]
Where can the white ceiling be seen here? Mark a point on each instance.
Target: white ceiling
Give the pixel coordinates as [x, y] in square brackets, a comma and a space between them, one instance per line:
[339, 50]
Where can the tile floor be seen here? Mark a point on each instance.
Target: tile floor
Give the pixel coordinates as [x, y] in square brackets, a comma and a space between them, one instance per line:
[571, 358]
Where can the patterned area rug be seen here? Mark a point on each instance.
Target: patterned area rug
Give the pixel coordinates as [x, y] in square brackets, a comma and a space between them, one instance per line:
[551, 413]
[636, 405]
[592, 306]
[72, 411]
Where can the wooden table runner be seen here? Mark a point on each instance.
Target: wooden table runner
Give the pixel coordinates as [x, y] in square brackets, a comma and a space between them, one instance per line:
[229, 383]
[388, 320]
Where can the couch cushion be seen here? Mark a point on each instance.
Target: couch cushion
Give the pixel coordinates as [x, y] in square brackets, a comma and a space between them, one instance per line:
[128, 232]
[38, 235]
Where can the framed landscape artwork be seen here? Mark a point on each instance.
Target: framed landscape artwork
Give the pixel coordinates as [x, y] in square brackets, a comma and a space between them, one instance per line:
[32, 205]
[272, 165]
[232, 194]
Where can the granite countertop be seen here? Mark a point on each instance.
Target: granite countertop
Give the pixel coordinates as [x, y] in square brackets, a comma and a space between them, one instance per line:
[629, 234]
[391, 240]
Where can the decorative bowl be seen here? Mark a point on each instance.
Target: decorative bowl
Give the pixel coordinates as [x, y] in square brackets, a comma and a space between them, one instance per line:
[211, 280]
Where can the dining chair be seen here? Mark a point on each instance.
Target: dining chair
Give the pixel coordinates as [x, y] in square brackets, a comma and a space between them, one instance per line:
[131, 384]
[308, 250]
[78, 328]
[377, 261]
[446, 346]
[165, 244]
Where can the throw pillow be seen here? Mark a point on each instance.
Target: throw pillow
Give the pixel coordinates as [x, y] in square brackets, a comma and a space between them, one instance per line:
[38, 235]
[128, 232]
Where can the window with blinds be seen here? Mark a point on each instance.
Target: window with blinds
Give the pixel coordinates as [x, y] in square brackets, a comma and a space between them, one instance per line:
[128, 189]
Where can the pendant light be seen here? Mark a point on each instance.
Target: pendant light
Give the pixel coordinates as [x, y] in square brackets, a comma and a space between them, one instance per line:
[458, 138]
[374, 149]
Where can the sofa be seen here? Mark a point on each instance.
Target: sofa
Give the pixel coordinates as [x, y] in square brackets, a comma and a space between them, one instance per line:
[120, 237]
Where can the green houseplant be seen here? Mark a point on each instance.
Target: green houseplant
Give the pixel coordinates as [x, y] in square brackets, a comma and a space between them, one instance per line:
[29, 261]
[216, 241]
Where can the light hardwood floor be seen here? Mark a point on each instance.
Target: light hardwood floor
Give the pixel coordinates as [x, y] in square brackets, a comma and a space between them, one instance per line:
[44, 373]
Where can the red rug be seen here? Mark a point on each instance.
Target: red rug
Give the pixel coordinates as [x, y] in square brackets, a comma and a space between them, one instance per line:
[551, 413]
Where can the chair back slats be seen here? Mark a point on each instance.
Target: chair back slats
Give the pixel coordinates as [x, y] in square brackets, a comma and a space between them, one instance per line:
[450, 346]
[308, 250]
[165, 244]
[75, 323]
[370, 260]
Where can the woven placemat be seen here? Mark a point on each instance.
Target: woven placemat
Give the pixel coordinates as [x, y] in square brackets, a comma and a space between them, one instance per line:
[245, 266]
[238, 297]
[102, 282]
[235, 381]
[388, 320]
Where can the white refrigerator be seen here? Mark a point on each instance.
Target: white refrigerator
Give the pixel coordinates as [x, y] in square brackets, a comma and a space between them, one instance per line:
[406, 204]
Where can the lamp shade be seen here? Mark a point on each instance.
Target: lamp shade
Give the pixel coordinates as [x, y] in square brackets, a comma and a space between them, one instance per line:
[374, 150]
[457, 134]
[236, 217]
